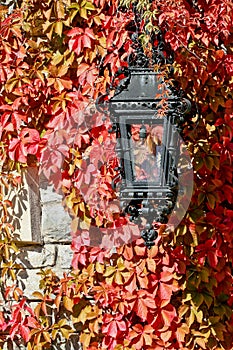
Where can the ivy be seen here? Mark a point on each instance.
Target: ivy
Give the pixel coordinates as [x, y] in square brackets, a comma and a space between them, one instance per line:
[57, 58]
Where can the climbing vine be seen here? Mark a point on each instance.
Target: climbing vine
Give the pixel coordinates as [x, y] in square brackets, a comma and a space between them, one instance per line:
[57, 59]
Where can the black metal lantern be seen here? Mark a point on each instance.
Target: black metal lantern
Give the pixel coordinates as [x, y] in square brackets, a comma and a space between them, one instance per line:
[148, 146]
[147, 116]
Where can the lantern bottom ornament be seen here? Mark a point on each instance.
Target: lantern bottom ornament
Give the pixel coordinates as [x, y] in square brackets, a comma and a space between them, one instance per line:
[149, 236]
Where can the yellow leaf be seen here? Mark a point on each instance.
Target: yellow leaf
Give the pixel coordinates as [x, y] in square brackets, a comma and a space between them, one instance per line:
[191, 318]
[99, 221]
[85, 339]
[102, 42]
[97, 20]
[47, 337]
[109, 280]
[120, 264]
[109, 271]
[51, 81]
[40, 75]
[11, 84]
[82, 207]
[58, 85]
[67, 22]
[57, 58]
[83, 314]
[101, 50]
[68, 303]
[91, 269]
[201, 342]
[66, 332]
[99, 267]
[69, 58]
[47, 13]
[85, 223]
[26, 80]
[58, 28]
[183, 309]
[148, 339]
[60, 9]
[62, 322]
[74, 224]
[199, 316]
[62, 71]
[182, 331]
[54, 333]
[72, 15]
[49, 31]
[29, 346]
[93, 314]
[12, 274]
[38, 295]
[92, 55]
[165, 336]
[78, 163]
[118, 278]
[89, 6]
[83, 13]
[151, 265]
[47, 26]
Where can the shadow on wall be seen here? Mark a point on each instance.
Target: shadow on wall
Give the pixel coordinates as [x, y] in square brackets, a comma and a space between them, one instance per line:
[71, 344]
[25, 213]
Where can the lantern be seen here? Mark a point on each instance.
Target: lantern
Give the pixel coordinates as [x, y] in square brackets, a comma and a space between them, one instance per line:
[147, 115]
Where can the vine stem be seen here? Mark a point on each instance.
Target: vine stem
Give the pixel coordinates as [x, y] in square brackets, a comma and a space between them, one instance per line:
[192, 53]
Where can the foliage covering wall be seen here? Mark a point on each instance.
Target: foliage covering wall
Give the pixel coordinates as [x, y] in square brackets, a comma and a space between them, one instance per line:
[57, 58]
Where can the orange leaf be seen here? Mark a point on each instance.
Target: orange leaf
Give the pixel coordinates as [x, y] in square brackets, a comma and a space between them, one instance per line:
[151, 265]
[83, 67]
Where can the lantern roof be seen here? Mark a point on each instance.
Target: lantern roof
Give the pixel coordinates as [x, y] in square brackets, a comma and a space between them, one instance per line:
[140, 90]
[142, 84]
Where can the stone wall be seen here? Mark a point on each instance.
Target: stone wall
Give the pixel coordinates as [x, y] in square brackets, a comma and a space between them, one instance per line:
[53, 249]
[51, 245]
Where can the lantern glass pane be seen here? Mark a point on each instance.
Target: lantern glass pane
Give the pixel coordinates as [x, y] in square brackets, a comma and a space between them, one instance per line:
[147, 152]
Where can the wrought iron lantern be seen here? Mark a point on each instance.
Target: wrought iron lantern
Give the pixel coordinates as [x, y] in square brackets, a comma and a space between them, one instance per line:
[146, 117]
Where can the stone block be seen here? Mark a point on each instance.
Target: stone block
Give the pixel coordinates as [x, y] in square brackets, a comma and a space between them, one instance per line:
[64, 256]
[25, 213]
[33, 257]
[29, 281]
[47, 192]
[55, 226]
